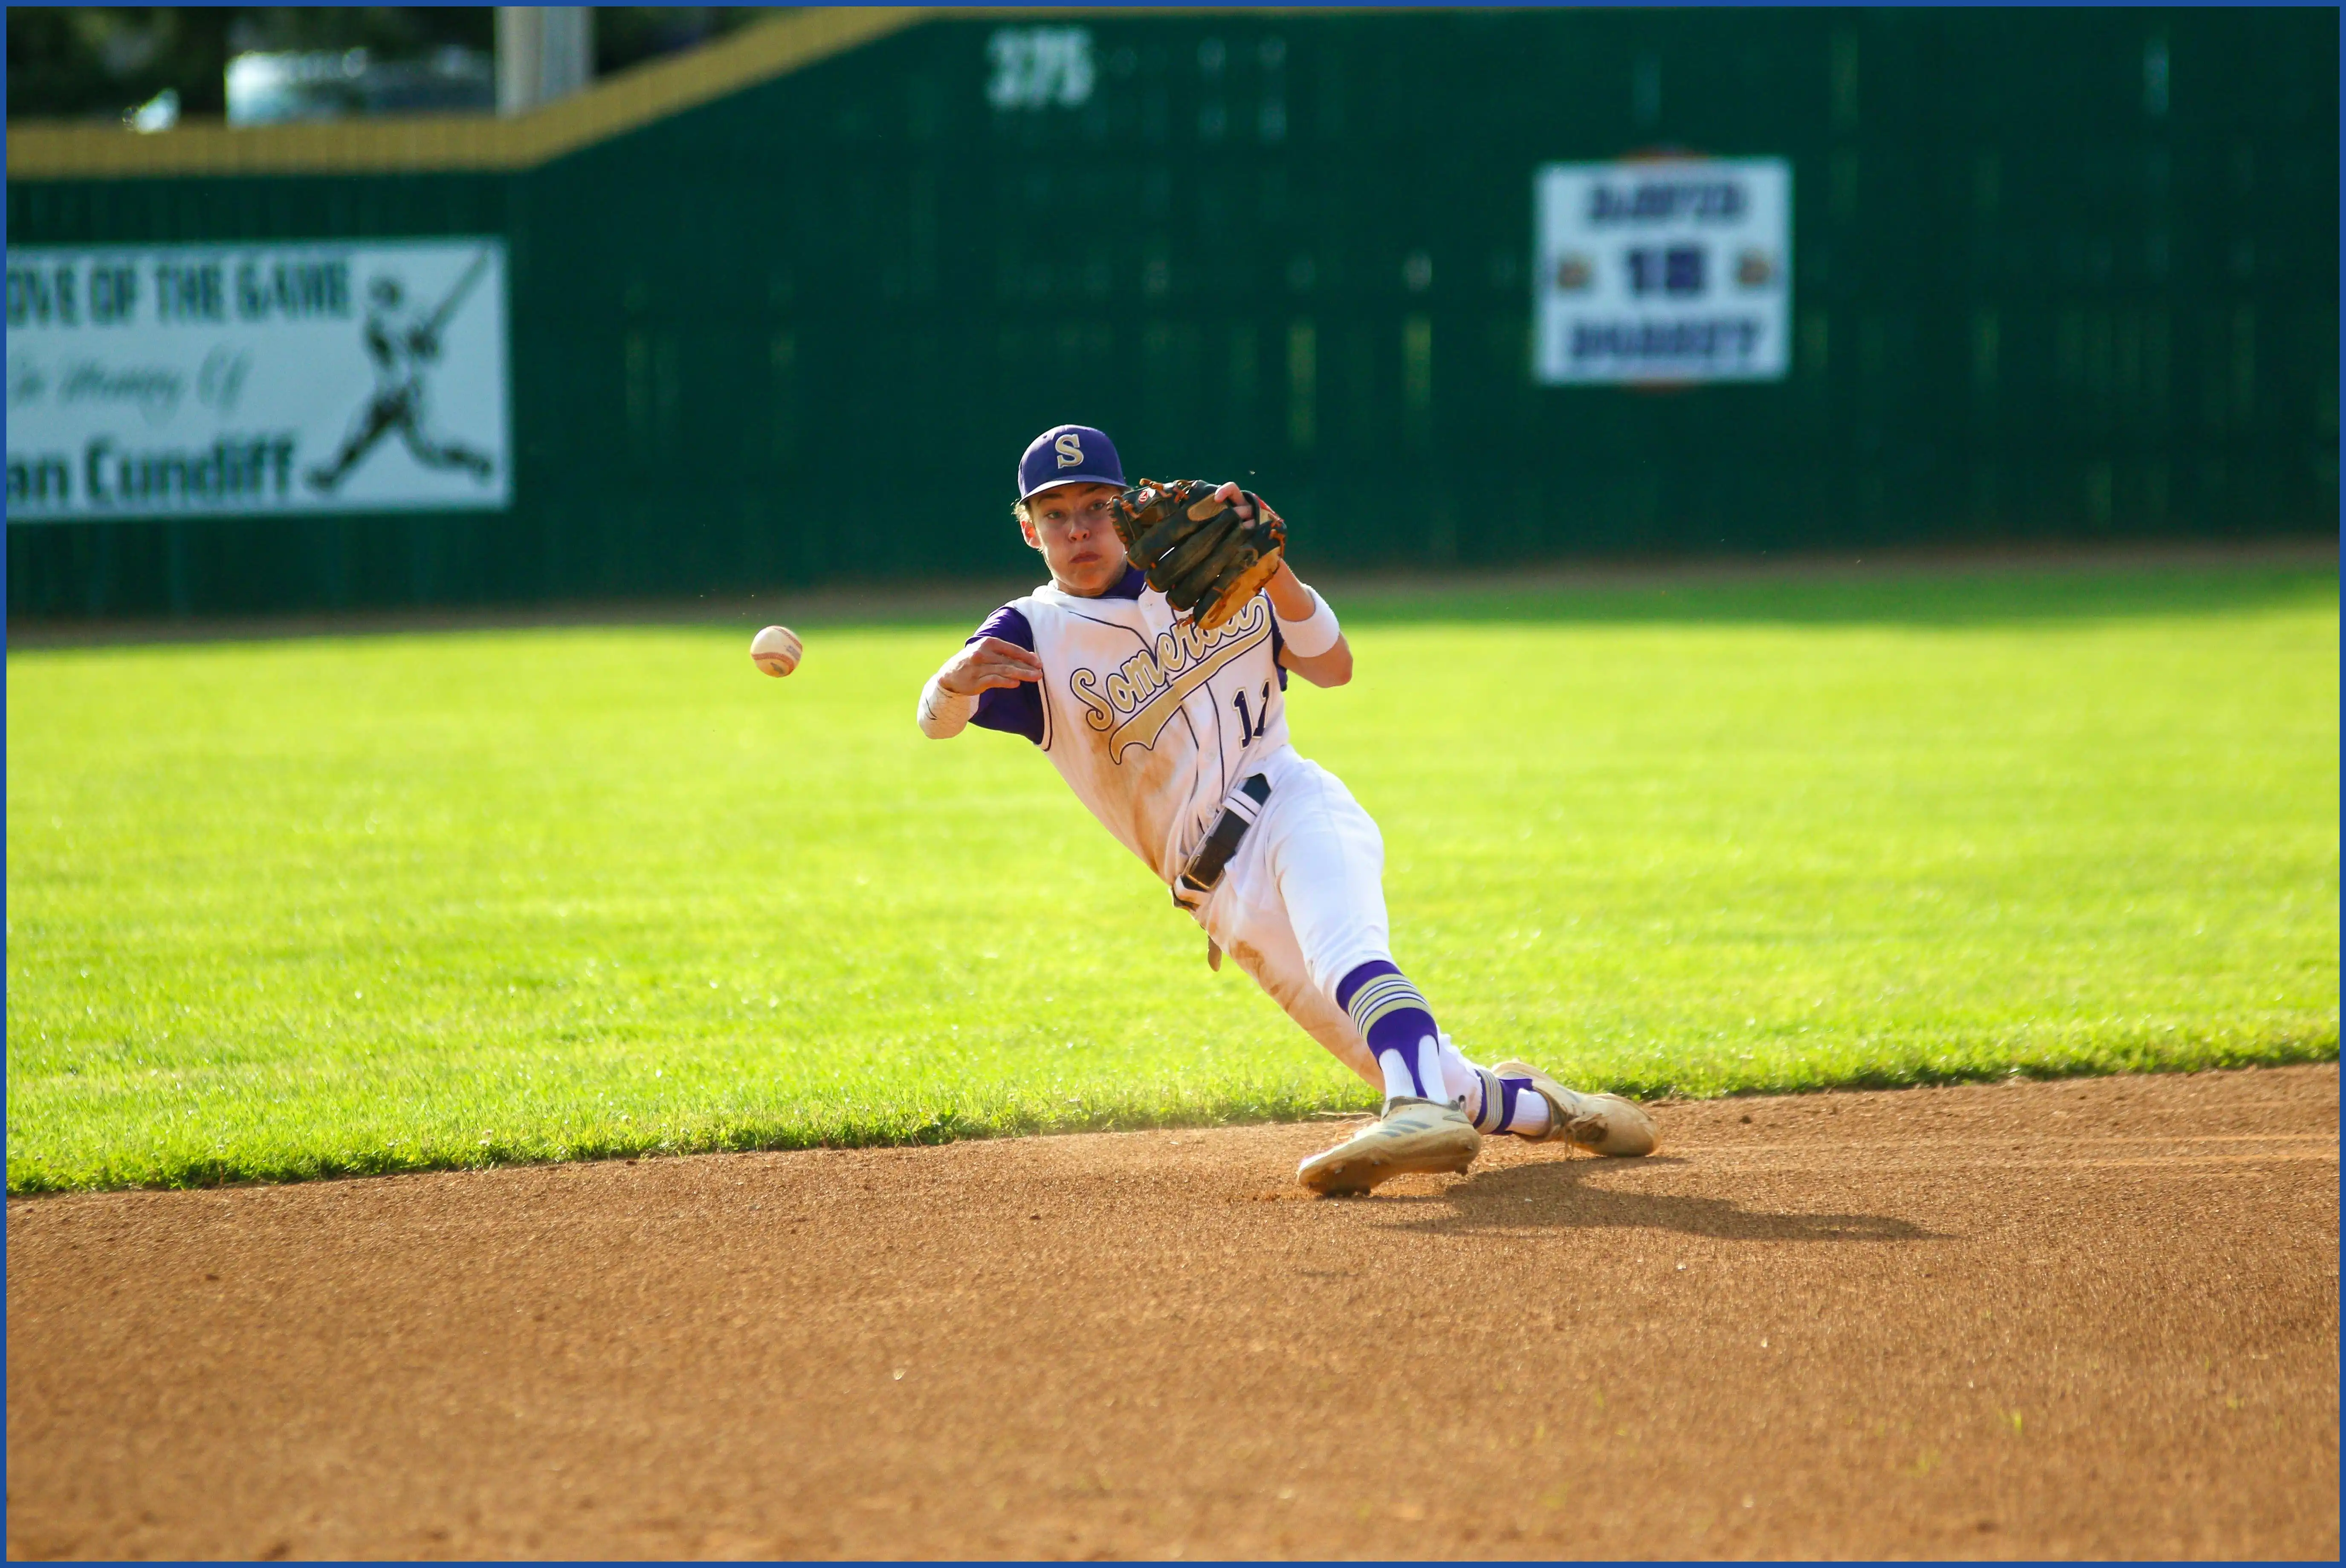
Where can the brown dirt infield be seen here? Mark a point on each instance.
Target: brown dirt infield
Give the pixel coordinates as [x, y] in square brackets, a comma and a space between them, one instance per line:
[2092, 1318]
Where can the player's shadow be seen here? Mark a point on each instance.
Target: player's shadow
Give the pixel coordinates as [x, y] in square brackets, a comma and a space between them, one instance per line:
[1556, 1194]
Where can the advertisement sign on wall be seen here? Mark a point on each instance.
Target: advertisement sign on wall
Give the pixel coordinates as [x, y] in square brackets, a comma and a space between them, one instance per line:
[236, 379]
[1663, 270]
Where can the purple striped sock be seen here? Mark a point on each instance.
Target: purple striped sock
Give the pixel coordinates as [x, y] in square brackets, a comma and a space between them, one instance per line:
[1399, 1027]
[1508, 1089]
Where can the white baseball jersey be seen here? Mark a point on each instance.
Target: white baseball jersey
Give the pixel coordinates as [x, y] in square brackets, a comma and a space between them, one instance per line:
[1151, 722]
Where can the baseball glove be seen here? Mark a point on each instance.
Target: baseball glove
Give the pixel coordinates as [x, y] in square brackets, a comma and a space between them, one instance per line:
[1206, 557]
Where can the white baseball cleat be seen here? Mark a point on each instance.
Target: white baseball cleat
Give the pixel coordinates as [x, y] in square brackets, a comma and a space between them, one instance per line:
[1601, 1123]
[1413, 1136]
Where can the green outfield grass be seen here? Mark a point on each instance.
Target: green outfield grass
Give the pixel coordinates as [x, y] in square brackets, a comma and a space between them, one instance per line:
[290, 909]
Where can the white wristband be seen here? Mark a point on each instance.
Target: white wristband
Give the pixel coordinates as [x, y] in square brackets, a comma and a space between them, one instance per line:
[944, 713]
[1314, 634]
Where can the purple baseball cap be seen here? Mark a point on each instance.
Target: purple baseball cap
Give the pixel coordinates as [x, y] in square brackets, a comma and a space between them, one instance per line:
[1068, 455]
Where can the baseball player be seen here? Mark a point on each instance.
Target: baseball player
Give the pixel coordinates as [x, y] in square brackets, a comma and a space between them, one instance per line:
[1158, 691]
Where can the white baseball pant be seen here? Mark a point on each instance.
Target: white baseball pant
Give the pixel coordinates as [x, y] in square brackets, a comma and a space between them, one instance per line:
[1302, 904]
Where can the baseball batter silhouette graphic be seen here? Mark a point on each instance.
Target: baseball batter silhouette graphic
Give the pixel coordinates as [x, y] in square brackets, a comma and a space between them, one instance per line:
[400, 353]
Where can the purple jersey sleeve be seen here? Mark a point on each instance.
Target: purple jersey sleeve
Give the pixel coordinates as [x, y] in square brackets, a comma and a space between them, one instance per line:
[1015, 709]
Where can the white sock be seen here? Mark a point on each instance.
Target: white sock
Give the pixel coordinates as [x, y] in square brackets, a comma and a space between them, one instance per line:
[1528, 1117]
[1463, 1080]
[1526, 1112]
[1417, 1075]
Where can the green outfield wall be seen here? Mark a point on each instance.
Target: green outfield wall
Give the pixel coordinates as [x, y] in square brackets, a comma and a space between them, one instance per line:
[2056, 275]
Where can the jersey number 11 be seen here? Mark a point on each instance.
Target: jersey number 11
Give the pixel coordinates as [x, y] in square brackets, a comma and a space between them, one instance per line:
[1251, 728]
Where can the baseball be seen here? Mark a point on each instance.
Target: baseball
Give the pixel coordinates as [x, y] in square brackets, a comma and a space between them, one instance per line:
[776, 650]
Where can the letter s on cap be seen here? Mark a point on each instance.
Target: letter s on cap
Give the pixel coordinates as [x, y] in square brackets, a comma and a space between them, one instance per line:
[1070, 450]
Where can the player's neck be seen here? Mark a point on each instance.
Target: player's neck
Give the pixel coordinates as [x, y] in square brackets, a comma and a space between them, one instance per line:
[1126, 584]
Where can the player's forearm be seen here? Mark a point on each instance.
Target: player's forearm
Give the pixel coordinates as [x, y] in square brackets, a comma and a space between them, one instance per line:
[1316, 648]
[1333, 667]
[944, 713]
[1291, 597]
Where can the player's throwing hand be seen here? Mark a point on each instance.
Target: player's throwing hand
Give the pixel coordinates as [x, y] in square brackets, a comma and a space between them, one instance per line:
[987, 663]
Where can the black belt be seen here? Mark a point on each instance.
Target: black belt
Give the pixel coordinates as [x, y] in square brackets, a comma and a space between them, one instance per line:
[1213, 857]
